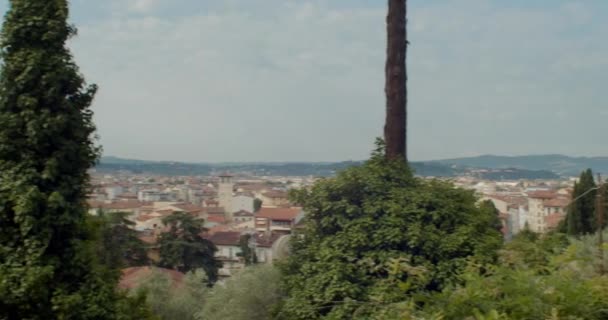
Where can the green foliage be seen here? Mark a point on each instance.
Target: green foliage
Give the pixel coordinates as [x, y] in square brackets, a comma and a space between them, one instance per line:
[48, 268]
[180, 302]
[532, 251]
[183, 248]
[523, 294]
[491, 213]
[561, 287]
[581, 214]
[247, 253]
[370, 216]
[257, 204]
[118, 245]
[254, 293]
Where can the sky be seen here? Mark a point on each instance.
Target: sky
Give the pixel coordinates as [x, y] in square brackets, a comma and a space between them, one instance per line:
[303, 80]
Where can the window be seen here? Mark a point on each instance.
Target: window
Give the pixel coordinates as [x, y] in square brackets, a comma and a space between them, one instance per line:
[281, 223]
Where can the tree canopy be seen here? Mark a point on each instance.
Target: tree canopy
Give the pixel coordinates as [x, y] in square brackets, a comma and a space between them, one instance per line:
[118, 245]
[580, 218]
[372, 220]
[48, 268]
[183, 247]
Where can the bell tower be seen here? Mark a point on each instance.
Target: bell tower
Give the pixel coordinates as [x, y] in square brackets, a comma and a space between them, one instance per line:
[225, 189]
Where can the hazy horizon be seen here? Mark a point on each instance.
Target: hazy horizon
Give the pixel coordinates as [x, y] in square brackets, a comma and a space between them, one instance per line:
[260, 80]
[347, 160]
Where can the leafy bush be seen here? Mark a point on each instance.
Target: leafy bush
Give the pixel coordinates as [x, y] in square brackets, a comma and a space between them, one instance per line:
[374, 218]
[254, 293]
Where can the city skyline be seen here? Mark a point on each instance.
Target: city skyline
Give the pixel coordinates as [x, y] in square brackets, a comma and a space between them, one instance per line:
[248, 81]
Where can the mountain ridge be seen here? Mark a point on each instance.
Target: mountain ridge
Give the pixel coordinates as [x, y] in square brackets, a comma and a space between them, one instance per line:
[497, 167]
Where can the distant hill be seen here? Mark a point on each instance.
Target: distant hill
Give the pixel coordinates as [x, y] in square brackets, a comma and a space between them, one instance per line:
[321, 169]
[560, 164]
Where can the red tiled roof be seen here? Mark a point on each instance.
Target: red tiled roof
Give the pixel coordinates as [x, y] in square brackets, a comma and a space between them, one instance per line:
[225, 238]
[215, 229]
[133, 277]
[117, 205]
[146, 217]
[275, 194]
[216, 218]
[279, 213]
[243, 213]
[189, 208]
[557, 203]
[542, 194]
[214, 210]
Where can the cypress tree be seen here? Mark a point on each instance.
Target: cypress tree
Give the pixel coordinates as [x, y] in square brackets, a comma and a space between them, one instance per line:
[47, 270]
[581, 213]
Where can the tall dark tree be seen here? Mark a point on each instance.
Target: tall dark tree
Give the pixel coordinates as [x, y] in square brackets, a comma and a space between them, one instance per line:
[118, 245]
[492, 213]
[257, 204]
[395, 129]
[581, 218]
[247, 253]
[183, 248]
[47, 267]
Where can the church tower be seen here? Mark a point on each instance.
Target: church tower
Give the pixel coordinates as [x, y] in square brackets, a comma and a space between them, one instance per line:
[224, 194]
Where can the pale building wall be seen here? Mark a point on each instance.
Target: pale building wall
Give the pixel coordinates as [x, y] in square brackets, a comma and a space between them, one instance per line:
[536, 214]
[113, 192]
[240, 202]
[229, 252]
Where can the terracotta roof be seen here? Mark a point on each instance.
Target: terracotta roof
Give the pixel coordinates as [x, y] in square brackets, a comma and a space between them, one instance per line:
[133, 277]
[225, 238]
[117, 205]
[557, 203]
[215, 229]
[498, 197]
[542, 194]
[146, 217]
[515, 200]
[211, 202]
[214, 210]
[275, 194]
[216, 218]
[279, 213]
[243, 213]
[252, 187]
[189, 208]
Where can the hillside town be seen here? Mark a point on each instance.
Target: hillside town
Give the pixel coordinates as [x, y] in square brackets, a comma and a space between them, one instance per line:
[233, 206]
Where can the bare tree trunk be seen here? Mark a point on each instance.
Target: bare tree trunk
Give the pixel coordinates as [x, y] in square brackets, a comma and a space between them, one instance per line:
[395, 129]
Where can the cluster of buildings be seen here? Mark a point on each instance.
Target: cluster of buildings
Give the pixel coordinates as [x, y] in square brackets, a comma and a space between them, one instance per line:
[231, 208]
[259, 208]
[539, 206]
